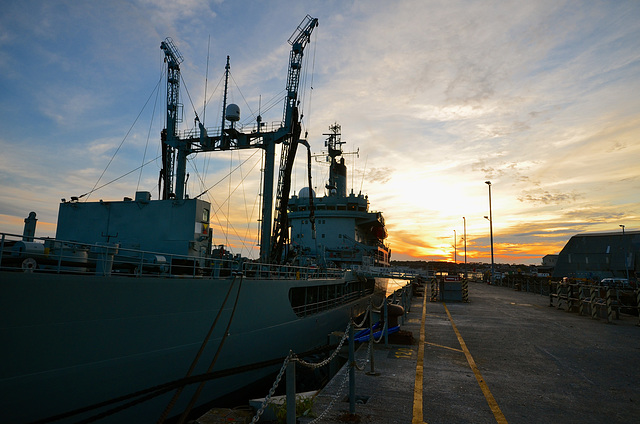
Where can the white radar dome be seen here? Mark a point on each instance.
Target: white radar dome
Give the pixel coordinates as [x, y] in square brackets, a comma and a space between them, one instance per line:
[232, 113]
[304, 193]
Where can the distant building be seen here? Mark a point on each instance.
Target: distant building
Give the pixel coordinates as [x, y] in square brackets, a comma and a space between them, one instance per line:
[600, 255]
[550, 261]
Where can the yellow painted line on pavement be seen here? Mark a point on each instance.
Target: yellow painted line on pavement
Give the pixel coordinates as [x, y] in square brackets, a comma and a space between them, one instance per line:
[418, 418]
[497, 413]
[444, 347]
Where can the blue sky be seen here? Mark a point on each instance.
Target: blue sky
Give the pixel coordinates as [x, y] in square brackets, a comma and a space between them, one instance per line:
[438, 96]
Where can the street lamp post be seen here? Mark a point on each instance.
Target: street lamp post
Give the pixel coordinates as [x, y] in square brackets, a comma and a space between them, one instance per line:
[455, 249]
[626, 268]
[490, 230]
[464, 220]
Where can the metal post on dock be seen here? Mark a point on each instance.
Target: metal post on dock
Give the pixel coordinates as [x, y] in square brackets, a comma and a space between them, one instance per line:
[465, 290]
[569, 297]
[609, 307]
[581, 300]
[352, 370]
[403, 302]
[638, 303]
[372, 371]
[1, 249]
[291, 391]
[594, 311]
[386, 320]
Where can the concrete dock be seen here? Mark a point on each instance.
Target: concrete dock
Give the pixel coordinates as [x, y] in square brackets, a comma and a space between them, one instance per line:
[505, 357]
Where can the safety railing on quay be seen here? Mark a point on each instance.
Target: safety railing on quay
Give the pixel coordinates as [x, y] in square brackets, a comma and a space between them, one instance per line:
[596, 301]
[527, 283]
[402, 297]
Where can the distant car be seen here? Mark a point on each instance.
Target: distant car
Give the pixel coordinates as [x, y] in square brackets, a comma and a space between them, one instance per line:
[620, 283]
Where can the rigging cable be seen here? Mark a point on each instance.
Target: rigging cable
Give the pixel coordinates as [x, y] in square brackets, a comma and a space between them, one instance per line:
[121, 143]
[364, 171]
[218, 207]
[226, 235]
[184, 83]
[144, 155]
[207, 158]
[120, 177]
[206, 81]
[253, 115]
[313, 69]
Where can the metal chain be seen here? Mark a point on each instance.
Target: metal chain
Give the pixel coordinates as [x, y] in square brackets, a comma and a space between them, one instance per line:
[366, 360]
[311, 365]
[384, 328]
[292, 356]
[272, 390]
[342, 386]
[333, 401]
[381, 304]
[366, 315]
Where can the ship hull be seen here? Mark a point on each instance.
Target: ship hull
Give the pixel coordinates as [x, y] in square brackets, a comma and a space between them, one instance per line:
[76, 340]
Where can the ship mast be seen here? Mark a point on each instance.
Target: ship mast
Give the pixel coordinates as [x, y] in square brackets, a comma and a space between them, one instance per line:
[231, 139]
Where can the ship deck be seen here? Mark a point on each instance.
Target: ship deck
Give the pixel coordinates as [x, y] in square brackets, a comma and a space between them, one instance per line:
[505, 357]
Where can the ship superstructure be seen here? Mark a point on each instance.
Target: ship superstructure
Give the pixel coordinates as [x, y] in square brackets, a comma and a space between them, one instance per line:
[337, 229]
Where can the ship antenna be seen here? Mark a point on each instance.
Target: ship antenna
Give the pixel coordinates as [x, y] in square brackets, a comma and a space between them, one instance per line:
[364, 171]
[206, 82]
[224, 100]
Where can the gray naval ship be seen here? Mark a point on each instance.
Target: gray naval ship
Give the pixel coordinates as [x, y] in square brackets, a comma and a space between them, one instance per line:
[130, 311]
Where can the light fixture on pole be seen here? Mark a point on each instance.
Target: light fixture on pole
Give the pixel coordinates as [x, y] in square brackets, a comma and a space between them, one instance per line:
[490, 218]
[626, 268]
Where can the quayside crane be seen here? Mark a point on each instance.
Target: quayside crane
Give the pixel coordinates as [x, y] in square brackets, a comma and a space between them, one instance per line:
[176, 147]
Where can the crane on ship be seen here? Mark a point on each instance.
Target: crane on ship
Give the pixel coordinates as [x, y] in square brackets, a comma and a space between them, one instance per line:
[176, 147]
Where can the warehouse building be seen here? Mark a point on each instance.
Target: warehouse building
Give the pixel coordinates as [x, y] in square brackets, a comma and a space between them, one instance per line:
[595, 256]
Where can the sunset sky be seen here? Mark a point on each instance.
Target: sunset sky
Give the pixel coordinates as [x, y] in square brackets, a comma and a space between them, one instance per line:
[542, 98]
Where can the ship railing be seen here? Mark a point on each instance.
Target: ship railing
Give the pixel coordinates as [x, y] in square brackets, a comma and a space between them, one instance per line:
[386, 272]
[309, 308]
[192, 133]
[257, 270]
[41, 254]
[47, 255]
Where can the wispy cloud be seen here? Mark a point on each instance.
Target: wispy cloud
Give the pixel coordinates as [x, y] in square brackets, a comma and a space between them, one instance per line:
[439, 96]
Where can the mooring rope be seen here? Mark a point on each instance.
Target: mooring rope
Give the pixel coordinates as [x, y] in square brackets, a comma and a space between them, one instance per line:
[175, 397]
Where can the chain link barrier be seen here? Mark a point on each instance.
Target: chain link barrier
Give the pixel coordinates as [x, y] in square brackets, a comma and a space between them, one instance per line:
[335, 398]
[366, 315]
[365, 361]
[292, 357]
[312, 365]
[382, 333]
[273, 389]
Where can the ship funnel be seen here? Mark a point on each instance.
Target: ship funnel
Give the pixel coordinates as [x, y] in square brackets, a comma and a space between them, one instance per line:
[29, 227]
